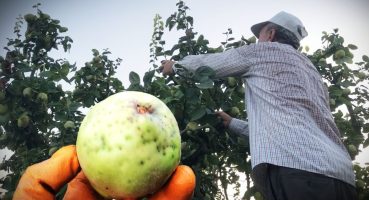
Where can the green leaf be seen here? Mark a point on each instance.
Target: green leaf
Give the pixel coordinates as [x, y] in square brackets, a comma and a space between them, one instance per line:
[204, 71]
[189, 20]
[148, 77]
[178, 94]
[365, 58]
[134, 78]
[95, 52]
[4, 118]
[175, 47]
[46, 74]
[351, 46]
[200, 112]
[64, 69]
[366, 128]
[171, 25]
[348, 60]
[206, 84]
[366, 143]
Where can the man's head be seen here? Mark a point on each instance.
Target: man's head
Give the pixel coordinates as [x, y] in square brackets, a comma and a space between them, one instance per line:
[283, 28]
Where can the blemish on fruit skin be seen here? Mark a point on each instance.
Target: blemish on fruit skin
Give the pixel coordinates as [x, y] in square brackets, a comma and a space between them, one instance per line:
[142, 162]
[127, 137]
[103, 141]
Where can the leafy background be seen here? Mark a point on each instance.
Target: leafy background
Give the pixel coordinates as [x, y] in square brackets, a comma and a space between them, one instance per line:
[38, 115]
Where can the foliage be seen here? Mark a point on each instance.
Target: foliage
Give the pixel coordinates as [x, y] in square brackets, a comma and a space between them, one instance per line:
[40, 116]
[37, 116]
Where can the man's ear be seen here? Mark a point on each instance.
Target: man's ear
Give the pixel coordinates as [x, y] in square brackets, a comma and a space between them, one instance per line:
[271, 35]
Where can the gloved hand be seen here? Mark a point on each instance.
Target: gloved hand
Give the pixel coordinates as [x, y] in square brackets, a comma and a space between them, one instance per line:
[43, 180]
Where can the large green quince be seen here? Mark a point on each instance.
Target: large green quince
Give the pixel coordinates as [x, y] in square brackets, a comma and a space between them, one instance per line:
[128, 145]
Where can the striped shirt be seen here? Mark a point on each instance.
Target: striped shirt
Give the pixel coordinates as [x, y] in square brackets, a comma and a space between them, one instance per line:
[289, 119]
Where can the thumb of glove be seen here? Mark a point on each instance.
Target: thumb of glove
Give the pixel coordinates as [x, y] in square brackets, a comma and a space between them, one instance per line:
[43, 180]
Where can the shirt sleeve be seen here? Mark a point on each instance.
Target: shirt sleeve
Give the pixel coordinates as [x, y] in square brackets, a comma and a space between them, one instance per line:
[233, 62]
[239, 127]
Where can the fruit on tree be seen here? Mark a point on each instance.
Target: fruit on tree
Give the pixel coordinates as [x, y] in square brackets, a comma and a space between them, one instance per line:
[69, 125]
[27, 92]
[349, 54]
[240, 90]
[346, 91]
[307, 48]
[23, 121]
[42, 97]
[128, 145]
[232, 82]
[360, 184]
[192, 126]
[3, 109]
[252, 39]
[361, 75]
[340, 53]
[235, 111]
[258, 196]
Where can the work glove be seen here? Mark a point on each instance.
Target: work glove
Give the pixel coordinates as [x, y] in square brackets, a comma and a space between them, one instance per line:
[43, 180]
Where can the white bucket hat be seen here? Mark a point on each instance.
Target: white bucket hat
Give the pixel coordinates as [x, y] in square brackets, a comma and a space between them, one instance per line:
[285, 20]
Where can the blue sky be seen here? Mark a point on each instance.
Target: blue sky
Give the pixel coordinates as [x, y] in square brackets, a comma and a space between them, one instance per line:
[125, 27]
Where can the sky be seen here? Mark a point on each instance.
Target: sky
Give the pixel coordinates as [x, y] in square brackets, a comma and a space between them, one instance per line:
[125, 27]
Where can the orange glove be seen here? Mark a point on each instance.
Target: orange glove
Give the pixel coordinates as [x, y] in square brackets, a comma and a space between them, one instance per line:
[43, 180]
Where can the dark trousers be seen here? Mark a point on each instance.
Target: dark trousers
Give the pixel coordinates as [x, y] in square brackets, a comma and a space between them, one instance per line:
[282, 183]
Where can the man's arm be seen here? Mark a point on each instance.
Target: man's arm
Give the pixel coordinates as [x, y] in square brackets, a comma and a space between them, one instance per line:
[233, 62]
[234, 125]
[239, 127]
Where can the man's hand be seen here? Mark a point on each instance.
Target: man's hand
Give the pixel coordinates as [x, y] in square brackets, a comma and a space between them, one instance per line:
[225, 118]
[167, 67]
[43, 180]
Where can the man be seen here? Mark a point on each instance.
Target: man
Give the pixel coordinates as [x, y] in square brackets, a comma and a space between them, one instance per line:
[296, 151]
